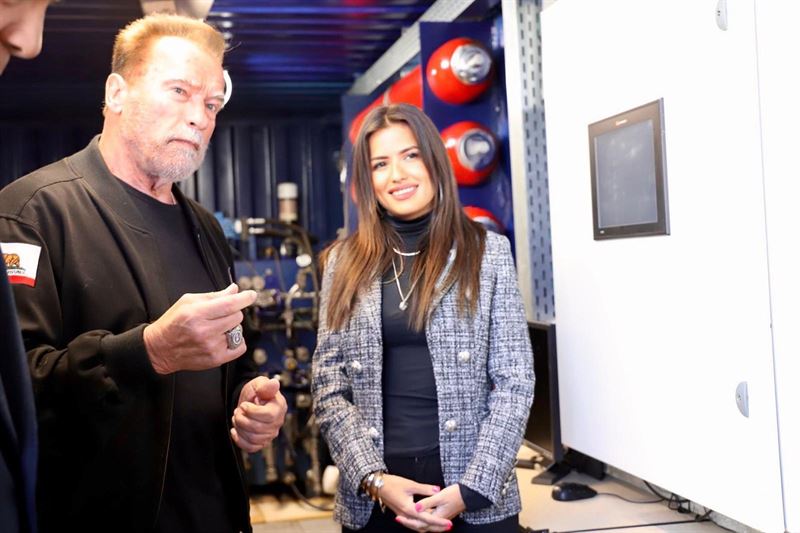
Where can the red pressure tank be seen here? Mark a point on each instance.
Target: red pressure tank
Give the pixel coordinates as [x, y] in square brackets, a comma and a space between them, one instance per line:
[406, 90]
[355, 126]
[472, 150]
[485, 218]
[459, 71]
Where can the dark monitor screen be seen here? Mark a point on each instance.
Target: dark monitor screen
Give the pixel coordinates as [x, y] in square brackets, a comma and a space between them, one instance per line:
[629, 193]
[543, 432]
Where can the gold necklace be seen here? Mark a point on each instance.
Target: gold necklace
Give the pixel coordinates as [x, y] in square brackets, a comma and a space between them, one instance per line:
[403, 297]
[406, 254]
[392, 280]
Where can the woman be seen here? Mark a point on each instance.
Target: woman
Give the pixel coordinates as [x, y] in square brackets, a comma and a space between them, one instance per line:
[423, 373]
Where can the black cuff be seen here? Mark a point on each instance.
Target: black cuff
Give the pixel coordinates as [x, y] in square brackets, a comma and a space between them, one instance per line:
[473, 501]
[126, 357]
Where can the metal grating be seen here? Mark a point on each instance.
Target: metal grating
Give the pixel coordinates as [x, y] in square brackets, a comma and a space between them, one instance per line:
[407, 46]
[527, 143]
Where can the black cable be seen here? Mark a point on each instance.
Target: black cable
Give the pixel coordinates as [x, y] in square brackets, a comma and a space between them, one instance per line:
[673, 500]
[676, 503]
[654, 491]
[285, 438]
[626, 499]
[707, 516]
[721, 526]
[305, 237]
[629, 527]
[276, 260]
[307, 501]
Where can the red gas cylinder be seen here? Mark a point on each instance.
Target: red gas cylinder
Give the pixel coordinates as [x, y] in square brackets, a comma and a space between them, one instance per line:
[485, 218]
[353, 195]
[472, 150]
[355, 126]
[406, 90]
[459, 71]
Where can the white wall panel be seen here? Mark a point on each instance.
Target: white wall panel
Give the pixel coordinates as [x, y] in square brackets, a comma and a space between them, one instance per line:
[655, 333]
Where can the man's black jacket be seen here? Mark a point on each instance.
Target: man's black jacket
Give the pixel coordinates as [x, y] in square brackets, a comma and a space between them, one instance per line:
[104, 414]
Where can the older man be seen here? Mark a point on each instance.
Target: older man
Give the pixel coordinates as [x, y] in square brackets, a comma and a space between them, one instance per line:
[129, 316]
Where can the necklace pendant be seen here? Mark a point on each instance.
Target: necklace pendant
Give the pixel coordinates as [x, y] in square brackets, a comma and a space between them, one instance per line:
[403, 305]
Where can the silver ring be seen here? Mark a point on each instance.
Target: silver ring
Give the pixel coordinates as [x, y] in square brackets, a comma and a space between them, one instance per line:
[234, 337]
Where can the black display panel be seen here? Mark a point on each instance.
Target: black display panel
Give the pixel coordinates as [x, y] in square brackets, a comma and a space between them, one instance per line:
[629, 177]
[543, 432]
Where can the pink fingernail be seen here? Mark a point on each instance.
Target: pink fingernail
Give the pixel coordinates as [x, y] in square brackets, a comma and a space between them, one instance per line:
[450, 526]
[418, 507]
[436, 489]
[397, 519]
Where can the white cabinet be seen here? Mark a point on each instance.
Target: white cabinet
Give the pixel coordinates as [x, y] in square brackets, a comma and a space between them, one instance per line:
[655, 333]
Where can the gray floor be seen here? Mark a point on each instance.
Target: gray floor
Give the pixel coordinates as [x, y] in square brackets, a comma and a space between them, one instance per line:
[324, 525]
[603, 512]
[541, 512]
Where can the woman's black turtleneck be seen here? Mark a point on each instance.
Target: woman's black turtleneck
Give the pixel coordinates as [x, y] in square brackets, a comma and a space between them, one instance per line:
[410, 402]
[410, 406]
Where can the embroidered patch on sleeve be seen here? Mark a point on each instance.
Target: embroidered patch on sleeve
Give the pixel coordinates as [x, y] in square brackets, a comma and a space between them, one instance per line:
[22, 262]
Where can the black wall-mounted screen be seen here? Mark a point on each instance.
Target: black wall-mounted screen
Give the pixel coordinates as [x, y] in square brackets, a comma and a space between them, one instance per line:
[629, 177]
[543, 432]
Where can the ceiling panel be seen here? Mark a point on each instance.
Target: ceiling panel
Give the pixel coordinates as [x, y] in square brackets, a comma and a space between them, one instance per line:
[285, 55]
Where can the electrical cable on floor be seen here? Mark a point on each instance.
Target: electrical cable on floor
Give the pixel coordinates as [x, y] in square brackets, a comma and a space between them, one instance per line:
[282, 435]
[707, 516]
[721, 526]
[674, 499]
[307, 501]
[674, 502]
[654, 491]
[634, 526]
[682, 505]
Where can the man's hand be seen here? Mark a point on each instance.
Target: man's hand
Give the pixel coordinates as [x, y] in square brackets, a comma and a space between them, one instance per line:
[398, 493]
[446, 503]
[259, 415]
[191, 335]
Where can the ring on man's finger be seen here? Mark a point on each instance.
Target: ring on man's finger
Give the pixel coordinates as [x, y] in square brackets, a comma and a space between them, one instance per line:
[234, 337]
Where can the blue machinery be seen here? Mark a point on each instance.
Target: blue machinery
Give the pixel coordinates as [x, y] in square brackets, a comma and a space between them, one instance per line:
[276, 259]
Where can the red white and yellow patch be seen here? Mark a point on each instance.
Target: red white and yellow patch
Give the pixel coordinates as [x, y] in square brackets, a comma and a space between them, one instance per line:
[22, 262]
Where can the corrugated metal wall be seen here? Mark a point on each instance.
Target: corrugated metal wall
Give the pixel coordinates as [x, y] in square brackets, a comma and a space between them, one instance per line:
[26, 146]
[244, 164]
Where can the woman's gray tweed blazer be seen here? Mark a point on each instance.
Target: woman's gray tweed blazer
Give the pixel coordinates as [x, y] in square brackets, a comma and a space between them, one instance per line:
[484, 380]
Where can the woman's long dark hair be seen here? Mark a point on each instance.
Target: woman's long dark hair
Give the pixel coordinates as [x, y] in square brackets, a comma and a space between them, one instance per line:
[367, 252]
